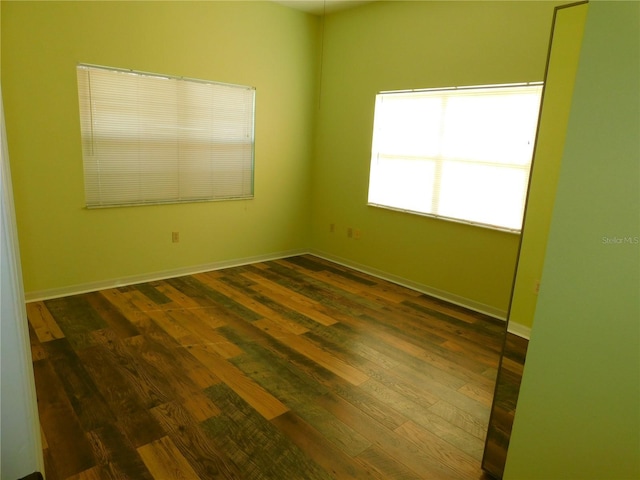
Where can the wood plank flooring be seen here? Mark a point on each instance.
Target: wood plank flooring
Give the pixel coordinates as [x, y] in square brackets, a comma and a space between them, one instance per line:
[289, 369]
[504, 407]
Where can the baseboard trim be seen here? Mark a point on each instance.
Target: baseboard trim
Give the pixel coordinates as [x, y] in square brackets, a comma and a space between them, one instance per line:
[434, 292]
[519, 330]
[150, 277]
[40, 295]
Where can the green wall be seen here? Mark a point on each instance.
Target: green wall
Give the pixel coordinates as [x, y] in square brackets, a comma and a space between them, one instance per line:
[312, 139]
[262, 44]
[554, 117]
[578, 414]
[401, 45]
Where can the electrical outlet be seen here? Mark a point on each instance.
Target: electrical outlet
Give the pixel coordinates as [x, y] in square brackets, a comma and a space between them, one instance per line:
[332, 227]
[357, 233]
[349, 232]
[175, 237]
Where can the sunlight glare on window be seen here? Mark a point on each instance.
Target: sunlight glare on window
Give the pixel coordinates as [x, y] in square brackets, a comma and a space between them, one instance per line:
[461, 154]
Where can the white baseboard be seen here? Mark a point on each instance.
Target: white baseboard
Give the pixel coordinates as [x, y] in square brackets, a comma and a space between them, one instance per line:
[519, 330]
[514, 328]
[434, 292]
[150, 277]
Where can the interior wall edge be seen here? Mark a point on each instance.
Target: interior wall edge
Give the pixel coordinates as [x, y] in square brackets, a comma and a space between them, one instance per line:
[479, 307]
[154, 276]
[20, 442]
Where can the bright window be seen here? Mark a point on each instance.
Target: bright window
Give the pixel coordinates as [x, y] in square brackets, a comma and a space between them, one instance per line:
[462, 153]
[150, 138]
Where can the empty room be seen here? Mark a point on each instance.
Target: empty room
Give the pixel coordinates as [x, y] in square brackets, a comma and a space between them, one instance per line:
[315, 240]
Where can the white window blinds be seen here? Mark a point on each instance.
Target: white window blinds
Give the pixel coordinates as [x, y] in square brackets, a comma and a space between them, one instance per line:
[462, 154]
[150, 138]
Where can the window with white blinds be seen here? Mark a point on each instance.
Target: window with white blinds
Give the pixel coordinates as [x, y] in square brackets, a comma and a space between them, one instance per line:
[461, 153]
[150, 138]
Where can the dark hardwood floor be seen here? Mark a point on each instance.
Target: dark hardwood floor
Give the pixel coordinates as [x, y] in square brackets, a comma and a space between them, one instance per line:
[504, 406]
[290, 369]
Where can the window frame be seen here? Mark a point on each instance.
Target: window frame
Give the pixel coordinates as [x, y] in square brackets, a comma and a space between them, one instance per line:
[186, 152]
[440, 159]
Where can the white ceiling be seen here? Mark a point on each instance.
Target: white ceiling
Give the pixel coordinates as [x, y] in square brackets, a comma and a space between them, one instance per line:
[319, 7]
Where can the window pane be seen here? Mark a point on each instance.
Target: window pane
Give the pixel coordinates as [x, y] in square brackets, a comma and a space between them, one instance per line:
[408, 126]
[491, 128]
[490, 195]
[403, 183]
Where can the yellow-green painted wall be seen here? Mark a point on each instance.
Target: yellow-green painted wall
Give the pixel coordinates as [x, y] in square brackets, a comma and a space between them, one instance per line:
[578, 414]
[560, 78]
[404, 45]
[262, 44]
[312, 139]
